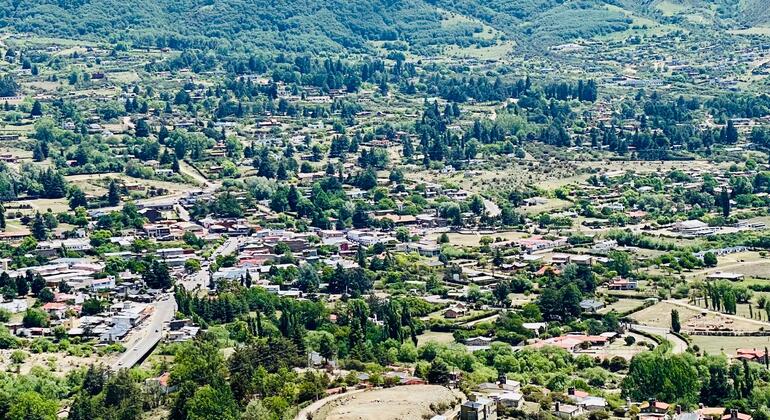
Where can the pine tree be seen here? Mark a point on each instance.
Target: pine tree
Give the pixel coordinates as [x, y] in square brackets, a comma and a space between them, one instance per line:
[408, 149]
[37, 153]
[37, 109]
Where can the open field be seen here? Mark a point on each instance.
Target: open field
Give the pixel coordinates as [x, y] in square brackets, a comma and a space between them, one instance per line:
[403, 402]
[750, 264]
[437, 337]
[756, 30]
[622, 305]
[56, 205]
[58, 363]
[659, 315]
[93, 183]
[620, 349]
[473, 239]
[728, 345]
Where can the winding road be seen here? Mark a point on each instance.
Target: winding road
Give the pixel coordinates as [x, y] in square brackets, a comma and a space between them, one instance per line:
[678, 345]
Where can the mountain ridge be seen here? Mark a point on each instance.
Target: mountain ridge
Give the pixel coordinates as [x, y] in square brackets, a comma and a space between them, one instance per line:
[337, 25]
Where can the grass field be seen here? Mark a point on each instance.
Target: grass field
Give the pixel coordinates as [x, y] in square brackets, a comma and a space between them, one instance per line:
[659, 315]
[623, 305]
[459, 239]
[728, 345]
[756, 30]
[437, 337]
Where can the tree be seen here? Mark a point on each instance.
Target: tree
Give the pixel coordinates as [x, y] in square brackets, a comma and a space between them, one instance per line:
[38, 155]
[35, 318]
[327, 347]
[621, 262]
[46, 295]
[255, 410]
[36, 284]
[142, 128]
[192, 266]
[675, 325]
[724, 199]
[156, 276]
[2, 217]
[113, 193]
[122, 396]
[30, 405]
[501, 292]
[22, 287]
[497, 259]
[37, 109]
[571, 297]
[438, 372]
[77, 198]
[308, 280]
[710, 259]
[39, 230]
[92, 306]
[664, 376]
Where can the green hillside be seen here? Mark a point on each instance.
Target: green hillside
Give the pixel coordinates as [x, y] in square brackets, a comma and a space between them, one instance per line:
[324, 26]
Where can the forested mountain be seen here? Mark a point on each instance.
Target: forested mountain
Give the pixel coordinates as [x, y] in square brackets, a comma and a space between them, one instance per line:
[724, 12]
[335, 25]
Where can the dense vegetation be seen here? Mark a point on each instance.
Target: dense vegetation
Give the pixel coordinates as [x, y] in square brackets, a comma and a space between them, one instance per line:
[324, 26]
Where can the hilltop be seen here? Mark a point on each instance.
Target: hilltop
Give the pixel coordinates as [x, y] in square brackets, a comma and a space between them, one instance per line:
[349, 25]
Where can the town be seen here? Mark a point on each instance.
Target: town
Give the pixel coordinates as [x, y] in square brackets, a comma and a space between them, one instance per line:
[468, 233]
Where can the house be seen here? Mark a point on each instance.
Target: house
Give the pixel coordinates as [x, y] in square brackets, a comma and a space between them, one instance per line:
[424, 249]
[736, 415]
[693, 228]
[591, 306]
[156, 231]
[722, 275]
[55, 310]
[161, 383]
[566, 411]
[606, 245]
[622, 284]
[582, 259]
[478, 341]
[510, 401]
[535, 327]
[481, 409]
[538, 244]
[585, 400]
[654, 407]
[455, 312]
[752, 355]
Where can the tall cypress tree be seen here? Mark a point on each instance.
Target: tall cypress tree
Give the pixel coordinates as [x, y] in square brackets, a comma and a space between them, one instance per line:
[724, 198]
[113, 194]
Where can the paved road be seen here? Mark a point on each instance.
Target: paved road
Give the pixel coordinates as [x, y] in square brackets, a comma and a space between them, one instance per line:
[149, 333]
[200, 280]
[679, 345]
